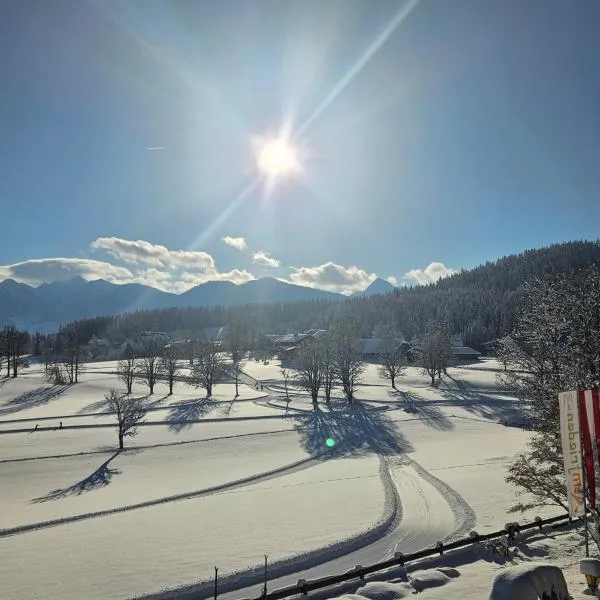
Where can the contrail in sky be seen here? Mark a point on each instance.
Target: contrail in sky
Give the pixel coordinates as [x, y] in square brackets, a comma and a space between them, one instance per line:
[155, 147]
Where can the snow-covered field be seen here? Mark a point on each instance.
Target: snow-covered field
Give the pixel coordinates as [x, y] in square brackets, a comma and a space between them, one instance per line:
[223, 481]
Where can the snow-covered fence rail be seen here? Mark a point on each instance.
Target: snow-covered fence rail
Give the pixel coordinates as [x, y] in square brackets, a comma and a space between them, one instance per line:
[399, 560]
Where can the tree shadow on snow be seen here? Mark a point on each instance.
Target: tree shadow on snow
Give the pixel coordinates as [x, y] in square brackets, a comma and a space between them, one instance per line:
[33, 398]
[430, 414]
[354, 429]
[184, 414]
[99, 407]
[100, 478]
[153, 402]
[467, 396]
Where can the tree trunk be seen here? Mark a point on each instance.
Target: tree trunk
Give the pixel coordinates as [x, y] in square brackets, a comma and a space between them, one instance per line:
[120, 441]
[236, 384]
[170, 387]
[151, 386]
[209, 390]
[433, 379]
[393, 378]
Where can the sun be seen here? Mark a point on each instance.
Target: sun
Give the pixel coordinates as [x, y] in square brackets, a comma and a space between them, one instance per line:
[277, 157]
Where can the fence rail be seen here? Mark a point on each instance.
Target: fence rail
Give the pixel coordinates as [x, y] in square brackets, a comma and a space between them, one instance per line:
[303, 587]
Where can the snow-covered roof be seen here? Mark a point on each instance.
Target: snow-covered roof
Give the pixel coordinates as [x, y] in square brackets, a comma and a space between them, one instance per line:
[295, 338]
[377, 345]
[288, 338]
[214, 334]
[465, 351]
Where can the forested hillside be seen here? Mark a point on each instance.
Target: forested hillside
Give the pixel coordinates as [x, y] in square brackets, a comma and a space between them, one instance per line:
[481, 304]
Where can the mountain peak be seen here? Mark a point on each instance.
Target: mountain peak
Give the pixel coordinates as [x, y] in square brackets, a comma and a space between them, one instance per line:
[377, 286]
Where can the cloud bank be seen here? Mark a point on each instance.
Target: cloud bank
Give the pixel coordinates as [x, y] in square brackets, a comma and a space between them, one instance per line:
[333, 277]
[430, 274]
[155, 265]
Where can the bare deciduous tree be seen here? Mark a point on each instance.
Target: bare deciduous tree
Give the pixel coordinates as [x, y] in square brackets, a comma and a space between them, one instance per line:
[347, 362]
[393, 361]
[236, 342]
[434, 350]
[55, 373]
[328, 366]
[127, 369]
[208, 368]
[72, 358]
[286, 378]
[169, 366]
[13, 345]
[149, 365]
[128, 411]
[309, 368]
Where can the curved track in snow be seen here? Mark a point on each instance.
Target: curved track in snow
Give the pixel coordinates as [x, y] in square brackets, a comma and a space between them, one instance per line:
[420, 510]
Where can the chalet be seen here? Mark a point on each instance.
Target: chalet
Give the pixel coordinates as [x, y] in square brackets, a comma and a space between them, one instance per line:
[372, 349]
[462, 353]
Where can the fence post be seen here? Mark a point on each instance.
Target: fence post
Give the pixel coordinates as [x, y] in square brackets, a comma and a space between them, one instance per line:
[216, 583]
[265, 584]
[539, 522]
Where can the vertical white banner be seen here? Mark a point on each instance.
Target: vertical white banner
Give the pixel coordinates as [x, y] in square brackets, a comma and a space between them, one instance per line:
[571, 447]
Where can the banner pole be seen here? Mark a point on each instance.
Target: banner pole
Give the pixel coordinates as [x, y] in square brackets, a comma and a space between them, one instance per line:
[584, 478]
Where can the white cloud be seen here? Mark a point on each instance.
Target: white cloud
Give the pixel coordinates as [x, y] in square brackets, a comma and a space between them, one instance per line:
[239, 243]
[264, 260]
[332, 277]
[46, 270]
[155, 255]
[430, 274]
[391, 279]
[190, 280]
[169, 270]
[147, 264]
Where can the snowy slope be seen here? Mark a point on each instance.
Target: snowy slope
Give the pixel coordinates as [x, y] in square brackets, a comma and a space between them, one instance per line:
[210, 482]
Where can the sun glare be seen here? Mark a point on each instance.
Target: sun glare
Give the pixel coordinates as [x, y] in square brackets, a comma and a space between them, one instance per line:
[277, 157]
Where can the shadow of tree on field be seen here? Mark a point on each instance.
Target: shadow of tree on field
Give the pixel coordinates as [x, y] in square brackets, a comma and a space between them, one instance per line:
[99, 407]
[153, 402]
[184, 414]
[466, 395]
[354, 429]
[431, 414]
[100, 478]
[33, 398]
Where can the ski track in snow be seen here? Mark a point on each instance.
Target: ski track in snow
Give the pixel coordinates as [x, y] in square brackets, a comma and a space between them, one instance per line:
[391, 533]
[146, 447]
[265, 476]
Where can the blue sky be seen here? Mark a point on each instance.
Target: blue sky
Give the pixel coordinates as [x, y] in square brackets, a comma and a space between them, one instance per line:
[469, 132]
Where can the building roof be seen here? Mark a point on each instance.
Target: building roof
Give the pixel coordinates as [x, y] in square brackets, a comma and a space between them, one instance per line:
[377, 345]
[214, 334]
[291, 338]
[295, 338]
[465, 351]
